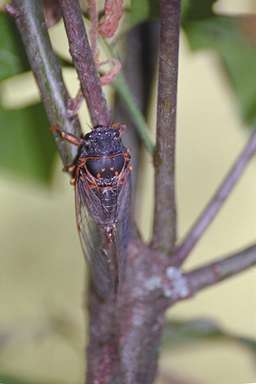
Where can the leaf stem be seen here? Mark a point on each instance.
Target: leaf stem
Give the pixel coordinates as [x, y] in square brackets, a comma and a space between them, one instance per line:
[124, 92]
[164, 231]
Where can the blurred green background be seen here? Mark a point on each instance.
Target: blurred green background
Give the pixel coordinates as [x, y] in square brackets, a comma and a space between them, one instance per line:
[42, 271]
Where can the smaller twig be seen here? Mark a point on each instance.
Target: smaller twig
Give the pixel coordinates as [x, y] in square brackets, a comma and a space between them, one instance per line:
[113, 11]
[105, 79]
[10, 9]
[216, 202]
[220, 269]
[84, 63]
[109, 76]
[164, 231]
[52, 12]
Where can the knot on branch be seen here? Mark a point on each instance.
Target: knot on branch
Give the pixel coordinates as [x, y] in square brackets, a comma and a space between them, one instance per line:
[155, 279]
[172, 284]
[178, 284]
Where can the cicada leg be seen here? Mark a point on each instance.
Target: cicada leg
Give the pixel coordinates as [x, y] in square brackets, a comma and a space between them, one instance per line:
[70, 168]
[120, 127]
[67, 136]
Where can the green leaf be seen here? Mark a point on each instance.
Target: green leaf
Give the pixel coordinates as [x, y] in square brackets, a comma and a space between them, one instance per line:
[227, 36]
[179, 332]
[196, 10]
[185, 333]
[12, 55]
[27, 149]
[10, 380]
[6, 379]
[143, 10]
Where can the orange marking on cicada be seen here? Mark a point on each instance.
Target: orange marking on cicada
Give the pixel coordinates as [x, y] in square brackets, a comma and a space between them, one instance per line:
[121, 127]
[93, 186]
[127, 156]
[82, 162]
[69, 168]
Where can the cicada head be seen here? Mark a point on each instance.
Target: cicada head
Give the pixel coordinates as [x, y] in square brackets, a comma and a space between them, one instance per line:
[103, 141]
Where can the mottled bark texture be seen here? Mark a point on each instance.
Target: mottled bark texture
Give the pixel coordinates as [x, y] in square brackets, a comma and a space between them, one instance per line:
[84, 63]
[165, 220]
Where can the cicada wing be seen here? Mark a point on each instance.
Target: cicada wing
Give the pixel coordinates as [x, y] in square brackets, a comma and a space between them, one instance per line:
[93, 241]
[123, 229]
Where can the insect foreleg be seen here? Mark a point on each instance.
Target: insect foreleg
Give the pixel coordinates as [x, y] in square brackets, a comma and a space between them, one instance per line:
[67, 136]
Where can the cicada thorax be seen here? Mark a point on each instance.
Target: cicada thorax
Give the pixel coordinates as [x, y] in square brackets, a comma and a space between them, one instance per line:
[103, 165]
[102, 178]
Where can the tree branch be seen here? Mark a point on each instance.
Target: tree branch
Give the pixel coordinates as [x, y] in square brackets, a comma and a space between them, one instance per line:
[102, 351]
[221, 269]
[83, 61]
[141, 308]
[47, 71]
[164, 234]
[216, 202]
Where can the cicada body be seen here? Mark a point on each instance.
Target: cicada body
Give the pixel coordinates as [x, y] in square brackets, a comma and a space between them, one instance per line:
[102, 191]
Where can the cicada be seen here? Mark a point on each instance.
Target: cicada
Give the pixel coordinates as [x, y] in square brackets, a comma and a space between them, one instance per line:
[102, 181]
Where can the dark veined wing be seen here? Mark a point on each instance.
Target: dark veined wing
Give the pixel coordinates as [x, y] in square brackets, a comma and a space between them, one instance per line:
[94, 243]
